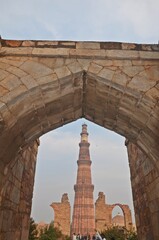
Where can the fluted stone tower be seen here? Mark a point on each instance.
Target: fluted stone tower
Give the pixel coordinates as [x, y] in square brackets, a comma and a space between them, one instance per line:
[83, 220]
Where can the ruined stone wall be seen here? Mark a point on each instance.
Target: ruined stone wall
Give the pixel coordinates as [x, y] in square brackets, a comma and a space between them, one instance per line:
[145, 188]
[16, 195]
[103, 214]
[62, 214]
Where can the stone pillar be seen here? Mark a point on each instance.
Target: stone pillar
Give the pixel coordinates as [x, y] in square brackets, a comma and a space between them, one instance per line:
[127, 216]
[62, 214]
[145, 188]
[16, 195]
[83, 220]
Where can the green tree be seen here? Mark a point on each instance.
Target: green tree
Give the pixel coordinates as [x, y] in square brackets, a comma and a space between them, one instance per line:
[50, 233]
[132, 235]
[114, 233]
[32, 230]
[119, 233]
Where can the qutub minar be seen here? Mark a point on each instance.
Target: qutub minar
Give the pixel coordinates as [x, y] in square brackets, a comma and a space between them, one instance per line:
[83, 220]
[87, 215]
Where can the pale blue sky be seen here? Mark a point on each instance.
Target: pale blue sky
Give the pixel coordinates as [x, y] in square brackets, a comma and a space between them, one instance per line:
[103, 20]
[57, 167]
[94, 20]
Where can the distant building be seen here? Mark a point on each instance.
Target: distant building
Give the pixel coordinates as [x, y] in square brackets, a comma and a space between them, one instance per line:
[118, 220]
[87, 216]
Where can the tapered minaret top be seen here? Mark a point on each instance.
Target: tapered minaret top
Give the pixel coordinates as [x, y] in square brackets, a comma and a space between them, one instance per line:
[83, 220]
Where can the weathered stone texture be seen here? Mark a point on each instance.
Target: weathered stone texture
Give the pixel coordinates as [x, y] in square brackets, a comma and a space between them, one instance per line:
[16, 195]
[145, 184]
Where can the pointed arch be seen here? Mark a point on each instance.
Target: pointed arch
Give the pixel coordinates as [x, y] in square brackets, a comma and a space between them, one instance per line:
[44, 85]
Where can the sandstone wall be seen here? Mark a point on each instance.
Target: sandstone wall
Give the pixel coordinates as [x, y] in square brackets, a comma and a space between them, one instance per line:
[145, 188]
[16, 195]
[62, 215]
[103, 214]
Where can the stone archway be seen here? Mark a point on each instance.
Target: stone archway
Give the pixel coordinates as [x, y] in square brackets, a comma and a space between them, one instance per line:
[103, 213]
[44, 85]
[126, 213]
